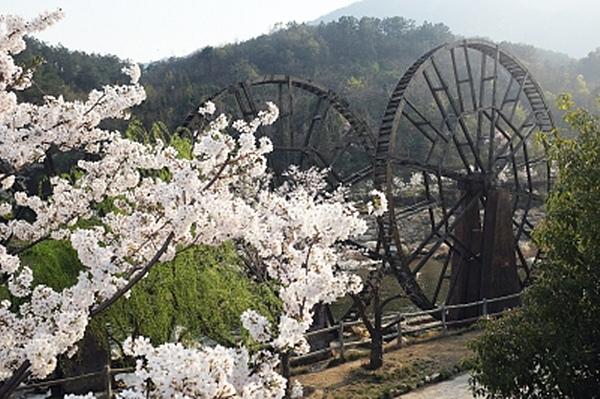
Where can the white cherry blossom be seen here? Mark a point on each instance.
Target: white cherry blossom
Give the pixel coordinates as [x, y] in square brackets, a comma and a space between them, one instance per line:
[163, 202]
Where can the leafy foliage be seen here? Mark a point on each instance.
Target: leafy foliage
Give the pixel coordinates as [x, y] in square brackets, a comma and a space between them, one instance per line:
[199, 295]
[54, 263]
[551, 347]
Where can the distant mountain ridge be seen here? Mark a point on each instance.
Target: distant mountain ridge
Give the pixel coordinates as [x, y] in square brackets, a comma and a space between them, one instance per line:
[570, 27]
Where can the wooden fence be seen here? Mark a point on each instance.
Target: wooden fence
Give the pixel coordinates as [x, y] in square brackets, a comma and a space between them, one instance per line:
[108, 373]
[390, 321]
[396, 320]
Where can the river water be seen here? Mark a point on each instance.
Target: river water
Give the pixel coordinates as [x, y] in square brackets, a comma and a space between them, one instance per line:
[427, 278]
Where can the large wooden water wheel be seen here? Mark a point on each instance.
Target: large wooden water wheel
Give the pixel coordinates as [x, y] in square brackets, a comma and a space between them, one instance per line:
[316, 127]
[463, 174]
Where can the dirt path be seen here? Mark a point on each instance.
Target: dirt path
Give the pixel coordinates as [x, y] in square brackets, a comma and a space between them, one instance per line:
[403, 370]
[455, 388]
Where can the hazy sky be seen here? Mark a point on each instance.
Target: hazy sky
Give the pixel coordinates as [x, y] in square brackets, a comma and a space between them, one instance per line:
[154, 29]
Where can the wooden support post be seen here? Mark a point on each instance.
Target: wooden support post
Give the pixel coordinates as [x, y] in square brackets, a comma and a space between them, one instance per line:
[341, 337]
[286, 373]
[484, 310]
[444, 325]
[108, 381]
[321, 320]
[399, 330]
[376, 333]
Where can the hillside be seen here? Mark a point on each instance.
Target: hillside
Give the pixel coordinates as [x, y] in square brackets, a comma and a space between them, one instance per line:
[360, 59]
[567, 27]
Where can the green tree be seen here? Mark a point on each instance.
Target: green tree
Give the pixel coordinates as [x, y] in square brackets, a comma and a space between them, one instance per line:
[550, 348]
[198, 295]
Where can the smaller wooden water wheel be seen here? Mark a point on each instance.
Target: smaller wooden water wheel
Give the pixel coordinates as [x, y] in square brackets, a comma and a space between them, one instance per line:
[316, 127]
[464, 177]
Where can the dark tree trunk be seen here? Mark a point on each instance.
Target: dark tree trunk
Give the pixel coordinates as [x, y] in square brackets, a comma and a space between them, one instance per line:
[92, 357]
[286, 373]
[376, 356]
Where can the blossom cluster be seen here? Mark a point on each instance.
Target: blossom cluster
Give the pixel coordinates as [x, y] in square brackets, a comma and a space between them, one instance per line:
[378, 205]
[295, 231]
[161, 201]
[176, 371]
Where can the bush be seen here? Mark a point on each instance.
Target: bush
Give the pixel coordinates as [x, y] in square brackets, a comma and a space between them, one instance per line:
[199, 295]
[550, 348]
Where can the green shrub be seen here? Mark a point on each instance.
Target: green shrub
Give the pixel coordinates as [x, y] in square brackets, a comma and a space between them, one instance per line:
[199, 295]
[550, 348]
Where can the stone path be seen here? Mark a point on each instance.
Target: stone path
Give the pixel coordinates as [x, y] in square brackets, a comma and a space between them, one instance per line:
[456, 388]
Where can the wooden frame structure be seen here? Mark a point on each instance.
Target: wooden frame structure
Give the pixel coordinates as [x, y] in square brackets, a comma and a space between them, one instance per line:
[463, 118]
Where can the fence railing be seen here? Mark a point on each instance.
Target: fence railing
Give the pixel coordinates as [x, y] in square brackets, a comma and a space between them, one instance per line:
[108, 373]
[389, 321]
[397, 319]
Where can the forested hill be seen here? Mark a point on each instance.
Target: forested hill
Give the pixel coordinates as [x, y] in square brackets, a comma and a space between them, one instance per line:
[566, 26]
[360, 59]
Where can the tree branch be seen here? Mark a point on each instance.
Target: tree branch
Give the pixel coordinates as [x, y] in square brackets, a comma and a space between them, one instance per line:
[106, 304]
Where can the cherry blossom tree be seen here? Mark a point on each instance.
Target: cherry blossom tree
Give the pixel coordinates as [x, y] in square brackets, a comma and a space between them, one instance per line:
[162, 201]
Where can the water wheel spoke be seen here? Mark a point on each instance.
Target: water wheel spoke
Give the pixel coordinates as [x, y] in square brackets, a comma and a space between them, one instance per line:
[523, 263]
[442, 277]
[480, 107]
[515, 106]
[429, 199]
[505, 98]
[446, 117]
[470, 75]
[290, 113]
[424, 122]
[521, 226]
[464, 249]
[317, 118]
[511, 147]
[457, 81]
[358, 176]
[446, 120]
[457, 210]
[344, 141]
[494, 121]
[434, 170]
[244, 109]
[527, 233]
[412, 210]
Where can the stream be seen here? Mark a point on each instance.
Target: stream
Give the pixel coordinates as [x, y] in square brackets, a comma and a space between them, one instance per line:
[427, 278]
